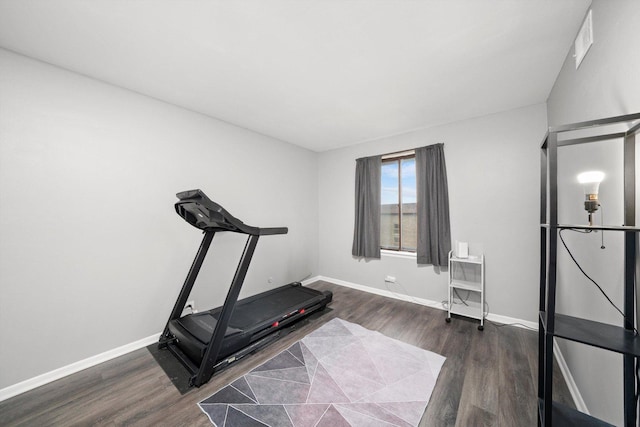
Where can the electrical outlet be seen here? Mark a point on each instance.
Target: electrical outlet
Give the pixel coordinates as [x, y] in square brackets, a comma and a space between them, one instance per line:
[189, 308]
[390, 279]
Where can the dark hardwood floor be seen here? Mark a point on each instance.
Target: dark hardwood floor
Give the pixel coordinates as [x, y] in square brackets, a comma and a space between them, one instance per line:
[488, 379]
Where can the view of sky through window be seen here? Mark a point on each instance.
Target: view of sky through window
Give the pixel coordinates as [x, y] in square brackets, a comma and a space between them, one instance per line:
[398, 200]
[390, 182]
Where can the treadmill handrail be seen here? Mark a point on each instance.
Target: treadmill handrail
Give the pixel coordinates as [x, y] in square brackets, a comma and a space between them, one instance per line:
[203, 213]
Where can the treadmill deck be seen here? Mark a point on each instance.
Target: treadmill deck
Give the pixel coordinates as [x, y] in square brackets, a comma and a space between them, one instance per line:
[252, 319]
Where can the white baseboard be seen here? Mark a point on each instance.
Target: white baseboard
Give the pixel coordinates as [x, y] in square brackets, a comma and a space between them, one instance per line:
[32, 383]
[568, 377]
[47, 377]
[429, 303]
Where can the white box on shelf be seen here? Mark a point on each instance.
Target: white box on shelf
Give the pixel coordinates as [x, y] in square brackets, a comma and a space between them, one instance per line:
[462, 250]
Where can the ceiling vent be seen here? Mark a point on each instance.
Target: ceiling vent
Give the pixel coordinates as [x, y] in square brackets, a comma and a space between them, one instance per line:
[585, 39]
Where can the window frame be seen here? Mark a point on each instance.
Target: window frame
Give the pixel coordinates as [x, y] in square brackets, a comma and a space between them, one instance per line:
[391, 158]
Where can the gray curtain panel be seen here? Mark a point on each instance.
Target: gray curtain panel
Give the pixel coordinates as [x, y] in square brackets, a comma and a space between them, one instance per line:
[434, 229]
[366, 231]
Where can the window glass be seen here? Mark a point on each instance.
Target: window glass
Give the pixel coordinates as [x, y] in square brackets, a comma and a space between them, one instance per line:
[398, 204]
[389, 211]
[408, 208]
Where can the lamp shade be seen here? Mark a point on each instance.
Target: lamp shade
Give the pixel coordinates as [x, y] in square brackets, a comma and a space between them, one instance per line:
[591, 181]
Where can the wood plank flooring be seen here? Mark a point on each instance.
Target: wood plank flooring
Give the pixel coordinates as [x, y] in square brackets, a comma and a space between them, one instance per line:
[488, 379]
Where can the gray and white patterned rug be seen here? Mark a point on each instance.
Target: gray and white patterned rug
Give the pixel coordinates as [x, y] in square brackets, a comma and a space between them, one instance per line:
[339, 375]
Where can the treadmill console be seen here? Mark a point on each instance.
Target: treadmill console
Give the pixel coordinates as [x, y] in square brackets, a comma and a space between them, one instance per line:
[198, 210]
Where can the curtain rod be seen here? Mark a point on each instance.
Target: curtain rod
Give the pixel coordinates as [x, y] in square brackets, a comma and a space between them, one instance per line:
[399, 153]
[408, 151]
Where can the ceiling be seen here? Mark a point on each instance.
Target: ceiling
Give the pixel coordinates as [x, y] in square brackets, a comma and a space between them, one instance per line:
[321, 74]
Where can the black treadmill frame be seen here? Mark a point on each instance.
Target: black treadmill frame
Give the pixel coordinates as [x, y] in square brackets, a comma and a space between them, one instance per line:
[223, 221]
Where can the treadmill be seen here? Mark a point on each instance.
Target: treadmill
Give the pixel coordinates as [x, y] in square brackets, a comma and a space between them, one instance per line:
[209, 341]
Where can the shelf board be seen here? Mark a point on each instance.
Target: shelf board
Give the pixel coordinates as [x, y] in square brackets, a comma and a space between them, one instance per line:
[474, 260]
[562, 415]
[602, 335]
[595, 227]
[466, 285]
[473, 310]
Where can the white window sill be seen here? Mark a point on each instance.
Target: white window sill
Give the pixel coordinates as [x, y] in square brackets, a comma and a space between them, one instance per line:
[397, 254]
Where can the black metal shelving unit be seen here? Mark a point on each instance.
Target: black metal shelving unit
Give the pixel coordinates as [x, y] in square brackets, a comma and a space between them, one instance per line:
[620, 339]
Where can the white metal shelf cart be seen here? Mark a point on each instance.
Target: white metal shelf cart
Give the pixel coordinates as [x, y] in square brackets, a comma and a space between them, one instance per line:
[466, 274]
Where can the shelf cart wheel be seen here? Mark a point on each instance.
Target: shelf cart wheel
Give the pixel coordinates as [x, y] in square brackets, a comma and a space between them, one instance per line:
[480, 328]
[447, 319]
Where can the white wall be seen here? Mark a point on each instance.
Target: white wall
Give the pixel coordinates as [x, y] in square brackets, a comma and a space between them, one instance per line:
[92, 254]
[493, 172]
[607, 83]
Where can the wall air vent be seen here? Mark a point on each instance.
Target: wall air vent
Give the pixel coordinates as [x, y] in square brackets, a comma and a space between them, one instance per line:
[585, 39]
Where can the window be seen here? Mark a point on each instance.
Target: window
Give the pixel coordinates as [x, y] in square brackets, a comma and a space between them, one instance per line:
[385, 195]
[398, 203]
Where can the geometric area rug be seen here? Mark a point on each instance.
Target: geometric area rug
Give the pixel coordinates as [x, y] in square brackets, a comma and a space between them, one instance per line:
[339, 375]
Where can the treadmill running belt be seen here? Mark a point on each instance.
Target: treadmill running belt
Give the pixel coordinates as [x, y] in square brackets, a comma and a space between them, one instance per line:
[251, 312]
